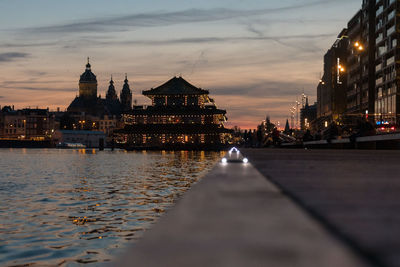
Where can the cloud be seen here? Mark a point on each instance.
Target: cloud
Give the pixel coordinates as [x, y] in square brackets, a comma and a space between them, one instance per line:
[12, 56]
[156, 19]
[30, 88]
[213, 40]
[267, 88]
[23, 45]
[33, 85]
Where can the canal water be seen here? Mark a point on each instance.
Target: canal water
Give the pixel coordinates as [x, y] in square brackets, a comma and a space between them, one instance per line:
[74, 207]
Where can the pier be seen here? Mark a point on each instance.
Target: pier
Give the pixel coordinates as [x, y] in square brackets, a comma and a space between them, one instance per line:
[283, 208]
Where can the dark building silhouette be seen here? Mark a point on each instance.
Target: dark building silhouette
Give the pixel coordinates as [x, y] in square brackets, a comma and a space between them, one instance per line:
[182, 116]
[111, 93]
[331, 92]
[307, 115]
[89, 103]
[126, 96]
[88, 84]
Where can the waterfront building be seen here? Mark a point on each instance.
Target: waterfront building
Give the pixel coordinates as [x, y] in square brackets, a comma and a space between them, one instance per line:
[108, 124]
[26, 124]
[373, 74]
[361, 64]
[181, 116]
[387, 76]
[90, 139]
[331, 93]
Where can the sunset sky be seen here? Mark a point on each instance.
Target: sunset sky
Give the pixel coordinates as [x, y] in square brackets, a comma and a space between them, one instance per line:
[254, 56]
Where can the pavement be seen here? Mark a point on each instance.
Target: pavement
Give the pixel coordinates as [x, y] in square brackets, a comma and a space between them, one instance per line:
[236, 217]
[353, 193]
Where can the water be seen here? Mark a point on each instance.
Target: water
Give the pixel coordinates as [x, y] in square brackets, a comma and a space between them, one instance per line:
[74, 207]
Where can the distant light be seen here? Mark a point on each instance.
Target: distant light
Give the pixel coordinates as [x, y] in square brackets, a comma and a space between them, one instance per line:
[393, 128]
[245, 160]
[224, 160]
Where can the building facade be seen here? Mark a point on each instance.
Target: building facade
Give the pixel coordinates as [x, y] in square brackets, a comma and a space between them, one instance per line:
[89, 139]
[181, 116]
[361, 64]
[307, 115]
[387, 60]
[90, 112]
[331, 90]
[372, 67]
[88, 103]
[26, 124]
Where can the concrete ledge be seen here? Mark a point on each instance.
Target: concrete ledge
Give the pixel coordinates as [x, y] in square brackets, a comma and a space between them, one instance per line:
[235, 217]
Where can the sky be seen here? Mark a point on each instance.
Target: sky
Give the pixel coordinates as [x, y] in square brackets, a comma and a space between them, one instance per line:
[255, 56]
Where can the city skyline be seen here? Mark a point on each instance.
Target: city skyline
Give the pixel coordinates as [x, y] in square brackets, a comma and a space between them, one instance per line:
[255, 57]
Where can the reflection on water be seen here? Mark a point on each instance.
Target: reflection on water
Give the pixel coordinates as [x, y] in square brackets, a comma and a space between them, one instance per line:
[68, 207]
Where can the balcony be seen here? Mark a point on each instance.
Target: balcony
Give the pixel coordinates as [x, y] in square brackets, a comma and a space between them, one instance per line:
[378, 67]
[391, 15]
[390, 61]
[391, 30]
[379, 11]
[379, 39]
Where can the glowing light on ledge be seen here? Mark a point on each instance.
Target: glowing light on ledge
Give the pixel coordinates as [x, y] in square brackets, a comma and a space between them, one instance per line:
[245, 160]
[234, 149]
[224, 160]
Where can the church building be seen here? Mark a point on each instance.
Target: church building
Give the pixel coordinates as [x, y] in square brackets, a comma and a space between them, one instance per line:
[89, 103]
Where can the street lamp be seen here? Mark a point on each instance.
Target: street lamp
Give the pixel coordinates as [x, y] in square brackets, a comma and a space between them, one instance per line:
[340, 69]
[358, 46]
[358, 49]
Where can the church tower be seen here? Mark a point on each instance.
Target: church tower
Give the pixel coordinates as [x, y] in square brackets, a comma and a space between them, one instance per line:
[88, 84]
[111, 93]
[126, 96]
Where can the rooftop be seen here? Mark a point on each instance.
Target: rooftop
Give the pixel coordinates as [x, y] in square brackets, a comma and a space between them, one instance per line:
[176, 86]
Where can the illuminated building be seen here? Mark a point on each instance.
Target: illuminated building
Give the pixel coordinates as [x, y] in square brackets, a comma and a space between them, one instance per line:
[387, 77]
[26, 124]
[181, 116]
[360, 63]
[331, 92]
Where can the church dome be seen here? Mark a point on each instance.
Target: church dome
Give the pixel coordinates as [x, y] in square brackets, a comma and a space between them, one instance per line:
[88, 76]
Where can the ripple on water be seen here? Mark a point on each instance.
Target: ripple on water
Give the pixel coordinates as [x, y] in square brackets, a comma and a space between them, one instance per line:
[65, 207]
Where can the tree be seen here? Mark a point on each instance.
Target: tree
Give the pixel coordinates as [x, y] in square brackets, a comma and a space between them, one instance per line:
[287, 127]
